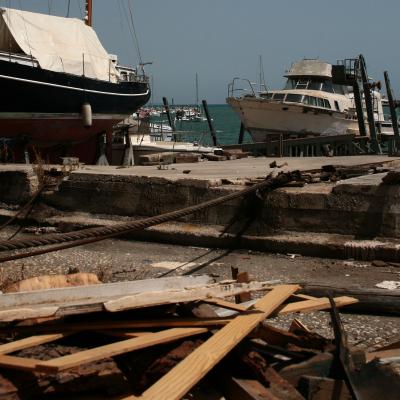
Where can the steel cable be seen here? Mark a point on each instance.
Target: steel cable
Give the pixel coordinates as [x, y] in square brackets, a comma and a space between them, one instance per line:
[91, 235]
[27, 206]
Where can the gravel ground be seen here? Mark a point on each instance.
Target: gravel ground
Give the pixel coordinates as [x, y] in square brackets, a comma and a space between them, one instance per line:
[117, 260]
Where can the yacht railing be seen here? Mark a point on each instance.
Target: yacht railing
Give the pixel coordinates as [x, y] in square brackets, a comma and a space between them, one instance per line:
[18, 58]
[232, 89]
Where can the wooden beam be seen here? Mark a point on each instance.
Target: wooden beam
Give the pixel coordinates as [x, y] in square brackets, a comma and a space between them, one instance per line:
[227, 304]
[298, 326]
[314, 305]
[101, 292]
[306, 305]
[383, 354]
[125, 335]
[369, 300]
[113, 349]
[19, 363]
[29, 342]
[279, 337]
[246, 389]
[150, 299]
[110, 325]
[177, 382]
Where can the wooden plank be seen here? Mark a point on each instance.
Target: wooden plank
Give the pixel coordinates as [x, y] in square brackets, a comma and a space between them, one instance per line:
[227, 304]
[369, 300]
[98, 292]
[113, 349]
[246, 389]
[307, 305]
[19, 363]
[383, 354]
[304, 297]
[314, 305]
[27, 313]
[150, 299]
[177, 382]
[279, 337]
[110, 325]
[243, 277]
[124, 334]
[29, 342]
[298, 326]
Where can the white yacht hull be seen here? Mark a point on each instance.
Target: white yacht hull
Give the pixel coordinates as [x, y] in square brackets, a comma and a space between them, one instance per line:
[262, 118]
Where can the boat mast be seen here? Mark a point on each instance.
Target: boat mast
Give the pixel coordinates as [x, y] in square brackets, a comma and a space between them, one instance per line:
[197, 90]
[88, 12]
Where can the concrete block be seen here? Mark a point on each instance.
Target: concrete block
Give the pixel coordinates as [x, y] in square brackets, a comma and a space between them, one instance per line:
[17, 184]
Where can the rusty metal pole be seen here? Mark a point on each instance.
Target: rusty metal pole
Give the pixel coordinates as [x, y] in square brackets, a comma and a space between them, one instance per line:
[210, 124]
[393, 114]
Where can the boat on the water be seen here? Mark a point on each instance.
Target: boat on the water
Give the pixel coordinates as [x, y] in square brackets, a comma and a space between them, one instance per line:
[309, 104]
[59, 85]
[145, 137]
[189, 114]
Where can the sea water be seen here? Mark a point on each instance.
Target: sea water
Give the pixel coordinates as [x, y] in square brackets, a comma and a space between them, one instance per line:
[226, 124]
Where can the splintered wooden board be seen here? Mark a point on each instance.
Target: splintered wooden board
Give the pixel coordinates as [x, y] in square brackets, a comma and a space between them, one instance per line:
[85, 301]
[155, 298]
[314, 305]
[18, 363]
[383, 354]
[177, 382]
[90, 298]
[105, 325]
[113, 349]
[29, 342]
[300, 306]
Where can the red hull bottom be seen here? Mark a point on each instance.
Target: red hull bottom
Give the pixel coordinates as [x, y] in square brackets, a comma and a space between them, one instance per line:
[55, 137]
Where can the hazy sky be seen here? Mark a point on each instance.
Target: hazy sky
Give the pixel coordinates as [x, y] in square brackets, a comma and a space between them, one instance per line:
[221, 39]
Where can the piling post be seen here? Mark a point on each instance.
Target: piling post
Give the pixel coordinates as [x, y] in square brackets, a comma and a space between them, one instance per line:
[170, 120]
[359, 107]
[393, 114]
[241, 134]
[210, 124]
[368, 105]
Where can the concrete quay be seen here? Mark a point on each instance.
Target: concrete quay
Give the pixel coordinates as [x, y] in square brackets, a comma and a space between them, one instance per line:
[357, 209]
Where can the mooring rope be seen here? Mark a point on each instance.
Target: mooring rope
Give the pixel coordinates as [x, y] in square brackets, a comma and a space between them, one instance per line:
[91, 235]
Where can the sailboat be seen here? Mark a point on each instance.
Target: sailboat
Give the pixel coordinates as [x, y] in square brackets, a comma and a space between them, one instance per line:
[60, 87]
[190, 113]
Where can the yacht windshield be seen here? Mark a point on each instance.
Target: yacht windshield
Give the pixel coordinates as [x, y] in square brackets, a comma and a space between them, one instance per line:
[312, 83]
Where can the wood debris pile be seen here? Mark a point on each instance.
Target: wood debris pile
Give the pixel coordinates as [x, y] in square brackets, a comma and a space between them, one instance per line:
[166, 339]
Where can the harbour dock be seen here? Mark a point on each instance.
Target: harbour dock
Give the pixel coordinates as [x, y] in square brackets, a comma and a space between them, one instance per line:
[344, 217]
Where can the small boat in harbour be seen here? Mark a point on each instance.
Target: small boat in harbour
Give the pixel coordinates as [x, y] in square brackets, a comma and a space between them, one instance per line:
[145, 137]
[309, 104]
[62, 86]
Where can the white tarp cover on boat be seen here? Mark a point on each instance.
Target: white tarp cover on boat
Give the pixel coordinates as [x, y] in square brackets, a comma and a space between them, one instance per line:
[59, 44]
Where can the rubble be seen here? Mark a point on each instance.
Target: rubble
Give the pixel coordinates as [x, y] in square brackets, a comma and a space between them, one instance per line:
[165, 339]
